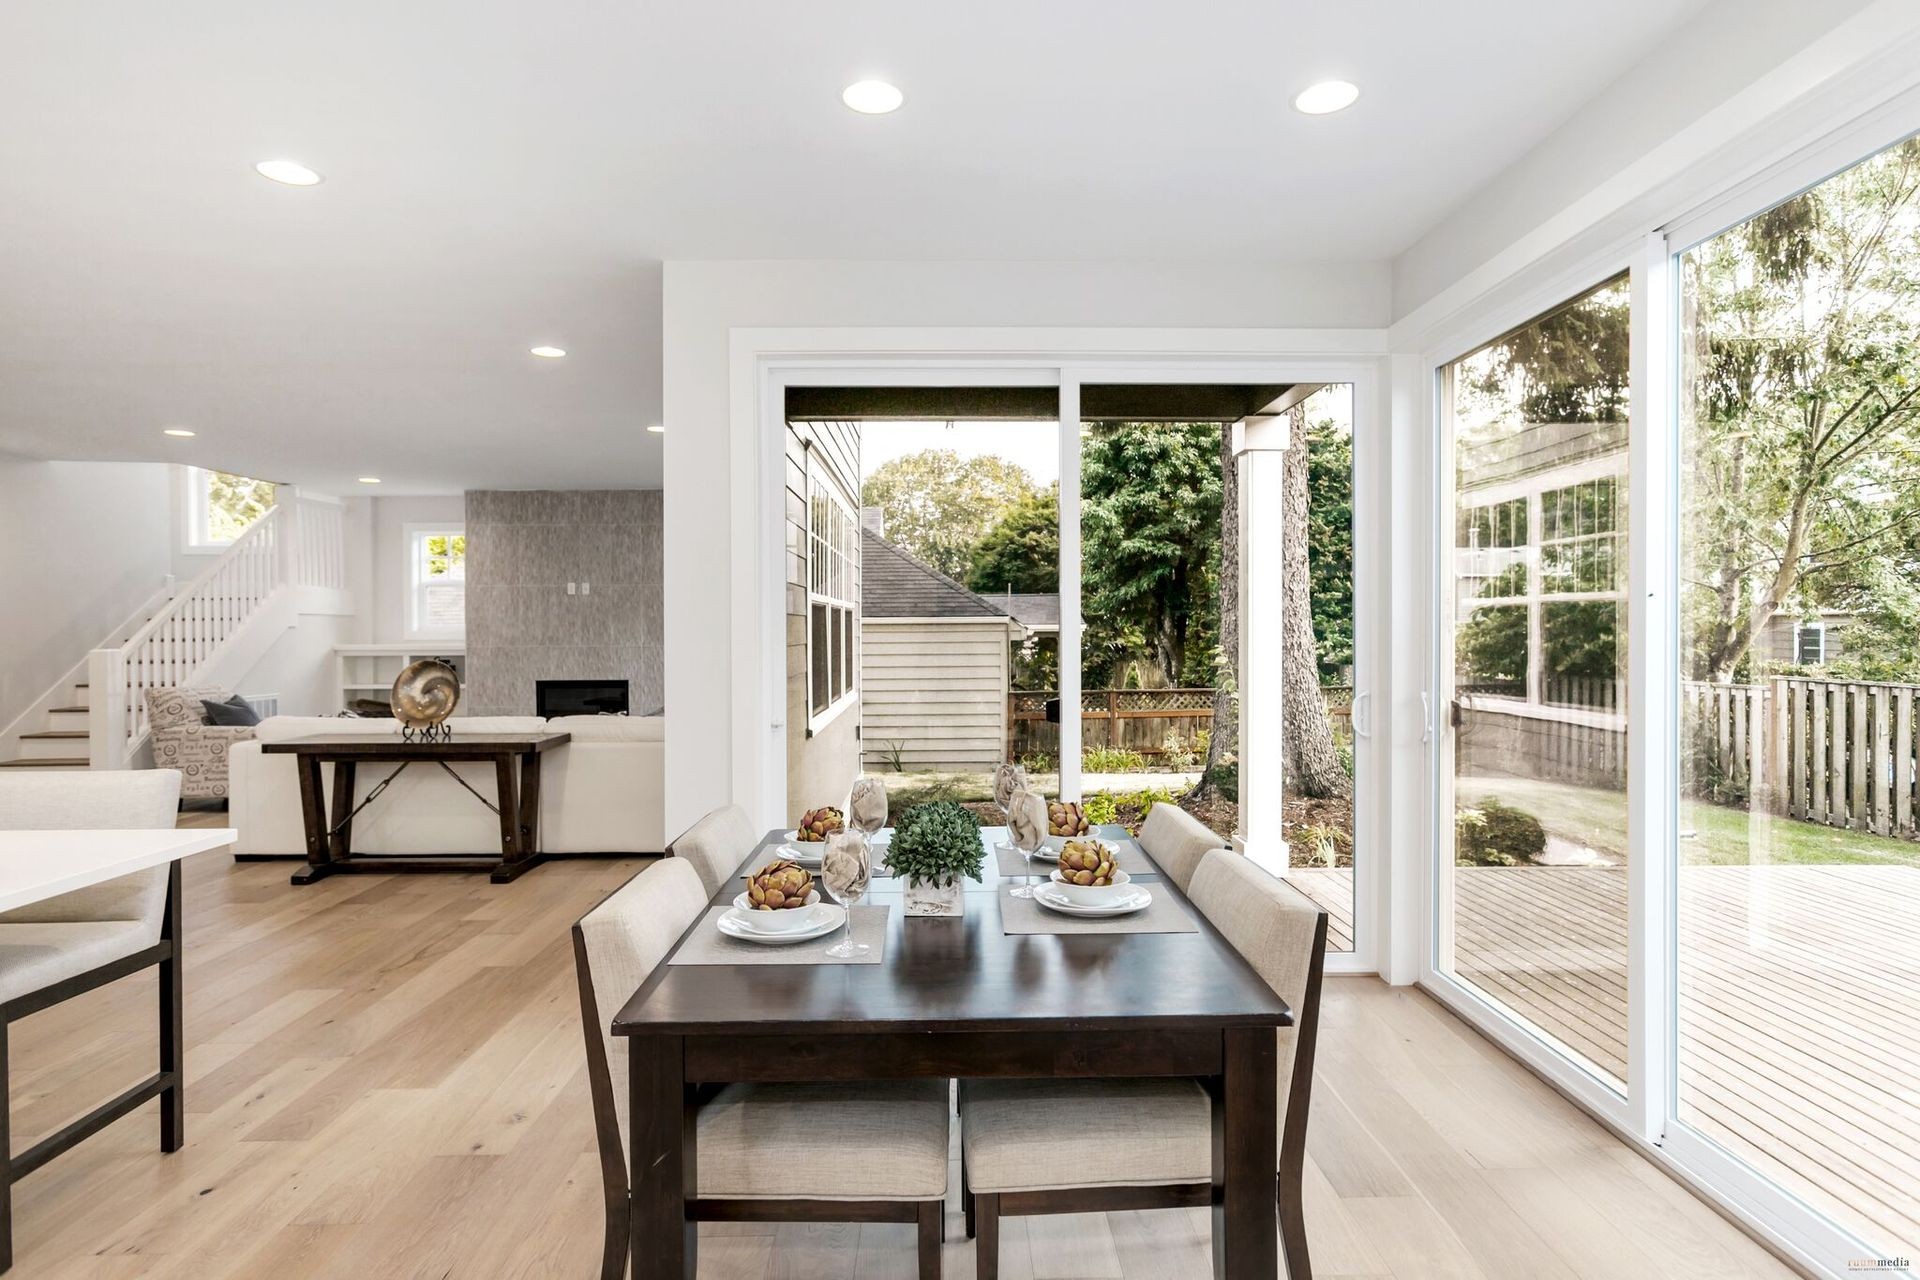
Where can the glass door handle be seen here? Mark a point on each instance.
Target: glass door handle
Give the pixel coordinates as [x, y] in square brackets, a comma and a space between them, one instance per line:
[1363, 725]
[1426, 716]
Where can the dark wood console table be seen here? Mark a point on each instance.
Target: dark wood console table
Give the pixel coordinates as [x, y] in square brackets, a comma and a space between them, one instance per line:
[330, 838]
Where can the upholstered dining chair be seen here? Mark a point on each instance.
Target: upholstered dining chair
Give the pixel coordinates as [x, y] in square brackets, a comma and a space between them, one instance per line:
[716, 845]
[1075, 1146]
[54, 950]
[1176, 841]
[874, 1152]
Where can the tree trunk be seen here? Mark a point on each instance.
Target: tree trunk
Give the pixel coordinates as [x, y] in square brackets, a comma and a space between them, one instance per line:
[1223, 738]
[1312, 760]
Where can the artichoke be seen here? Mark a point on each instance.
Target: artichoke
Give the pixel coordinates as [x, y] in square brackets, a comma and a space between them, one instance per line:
[867, 805]
[1088, 862]
[1065, 818]
[818, 824]
[779, 886]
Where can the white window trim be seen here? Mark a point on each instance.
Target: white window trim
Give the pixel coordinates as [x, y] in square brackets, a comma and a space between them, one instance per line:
[836, 493]
[411, 535]
[192, 513]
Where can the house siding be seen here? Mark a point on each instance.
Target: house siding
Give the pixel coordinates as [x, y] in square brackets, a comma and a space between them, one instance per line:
[937, 690]
[821, 766]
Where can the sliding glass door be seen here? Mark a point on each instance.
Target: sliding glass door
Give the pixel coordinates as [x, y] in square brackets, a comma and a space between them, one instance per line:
[1534, 914]
[1798, 885]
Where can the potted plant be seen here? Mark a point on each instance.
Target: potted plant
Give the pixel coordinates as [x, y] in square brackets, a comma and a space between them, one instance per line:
[935, 846]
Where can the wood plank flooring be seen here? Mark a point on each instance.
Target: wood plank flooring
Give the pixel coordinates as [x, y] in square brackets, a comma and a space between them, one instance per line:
[385, 1079]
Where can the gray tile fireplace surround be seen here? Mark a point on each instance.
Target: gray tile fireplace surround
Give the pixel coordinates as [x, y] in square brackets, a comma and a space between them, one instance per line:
[523, 548]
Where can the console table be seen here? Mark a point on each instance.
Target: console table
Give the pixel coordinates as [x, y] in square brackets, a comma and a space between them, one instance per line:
[516, 778]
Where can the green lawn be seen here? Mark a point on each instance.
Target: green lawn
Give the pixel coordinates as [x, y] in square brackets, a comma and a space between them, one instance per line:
[1722, 836]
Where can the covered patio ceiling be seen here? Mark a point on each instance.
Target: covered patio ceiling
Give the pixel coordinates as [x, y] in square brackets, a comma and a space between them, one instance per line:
[1099, 402]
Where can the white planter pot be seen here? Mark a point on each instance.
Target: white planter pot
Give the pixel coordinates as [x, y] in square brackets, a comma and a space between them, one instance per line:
[924, 899]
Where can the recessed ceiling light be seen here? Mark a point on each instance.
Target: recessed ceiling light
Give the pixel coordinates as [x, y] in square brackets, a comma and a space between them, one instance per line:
[1326, 97]
[548, 353]
[872, 97]
[291, 172]
[369, 479]
[657, 429]
[180, 432]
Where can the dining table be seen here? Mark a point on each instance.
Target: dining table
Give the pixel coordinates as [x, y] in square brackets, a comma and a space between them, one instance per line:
[960, 997]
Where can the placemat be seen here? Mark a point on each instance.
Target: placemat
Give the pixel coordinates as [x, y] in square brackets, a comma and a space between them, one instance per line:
[1165, 914]
[707, 945]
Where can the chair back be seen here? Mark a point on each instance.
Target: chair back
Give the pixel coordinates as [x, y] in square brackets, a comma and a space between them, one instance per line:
[716, 845]
[1282, 933]
[1177, 841]
[616, 946]
[80, 800]
[177, 708]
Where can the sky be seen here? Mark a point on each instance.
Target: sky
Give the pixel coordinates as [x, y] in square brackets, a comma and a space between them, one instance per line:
[1032, 445]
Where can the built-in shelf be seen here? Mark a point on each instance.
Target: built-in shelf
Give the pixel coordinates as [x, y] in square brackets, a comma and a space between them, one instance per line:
[366, 672]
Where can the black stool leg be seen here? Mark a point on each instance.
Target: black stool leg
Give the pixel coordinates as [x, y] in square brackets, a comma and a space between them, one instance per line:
[6, 1156]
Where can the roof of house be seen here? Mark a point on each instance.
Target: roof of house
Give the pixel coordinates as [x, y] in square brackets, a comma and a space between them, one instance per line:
[895, 585]
[1034, 610]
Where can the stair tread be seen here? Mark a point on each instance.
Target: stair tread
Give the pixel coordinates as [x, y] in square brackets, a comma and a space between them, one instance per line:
[50, 762]
[56, 733]
[60, 710]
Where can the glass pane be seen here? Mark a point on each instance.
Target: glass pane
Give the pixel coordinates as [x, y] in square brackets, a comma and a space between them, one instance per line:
[1799, 876]
[1536, 884]
[232, 503]
[822, 660]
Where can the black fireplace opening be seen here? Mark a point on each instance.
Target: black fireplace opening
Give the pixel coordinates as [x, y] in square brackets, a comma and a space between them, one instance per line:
[579, 698]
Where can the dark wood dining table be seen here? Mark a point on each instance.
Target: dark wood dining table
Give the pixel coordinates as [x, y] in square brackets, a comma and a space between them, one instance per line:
[960, 997]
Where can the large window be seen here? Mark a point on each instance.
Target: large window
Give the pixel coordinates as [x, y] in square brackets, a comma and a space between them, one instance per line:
[437, 578]
[220, 505]
[1798, 982]
[832, 583]
[1535, 889]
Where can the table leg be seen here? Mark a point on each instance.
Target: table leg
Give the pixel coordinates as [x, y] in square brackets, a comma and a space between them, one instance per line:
[662, 1173]
[313, 816]
[516, 837]
[340, 821]
[1246, 1158]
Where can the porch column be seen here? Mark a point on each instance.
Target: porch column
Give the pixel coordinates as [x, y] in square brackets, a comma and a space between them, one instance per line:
[1259, 445]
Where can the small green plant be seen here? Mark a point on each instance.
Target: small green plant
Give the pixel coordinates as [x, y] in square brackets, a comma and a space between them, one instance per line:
[1037, 762]
[1325, 840]
[1497, 835]
[937, 843]
[1129, 808]
[894, 752]
[1111, 760]
[1099, 808]
[1177, 753]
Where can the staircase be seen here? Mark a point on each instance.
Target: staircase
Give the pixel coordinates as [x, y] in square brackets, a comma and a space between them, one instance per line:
[212, 633]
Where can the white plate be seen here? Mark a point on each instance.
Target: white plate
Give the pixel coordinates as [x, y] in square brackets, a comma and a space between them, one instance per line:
[1052, 899]
[828, 918]
[1049, 856]
[806, 855]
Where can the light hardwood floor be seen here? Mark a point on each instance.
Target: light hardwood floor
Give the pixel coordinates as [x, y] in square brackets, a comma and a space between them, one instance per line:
[385, 1080]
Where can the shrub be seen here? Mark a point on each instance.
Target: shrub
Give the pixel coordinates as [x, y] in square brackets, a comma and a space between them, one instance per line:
[1497, 835]
[1111, 760]
[1176, 753]
[1099, 808]
[936, 843]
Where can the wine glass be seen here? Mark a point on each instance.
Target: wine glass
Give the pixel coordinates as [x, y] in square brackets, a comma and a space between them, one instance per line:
[1027, 825]
[845, 868]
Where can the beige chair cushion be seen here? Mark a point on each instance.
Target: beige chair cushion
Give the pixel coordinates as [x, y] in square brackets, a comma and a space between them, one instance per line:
[109, 800]
[867, 1141]
[717, 845]
[34, 956]
[1031, 1135]
[1271, 924]
[626, 936]
[1176, 841]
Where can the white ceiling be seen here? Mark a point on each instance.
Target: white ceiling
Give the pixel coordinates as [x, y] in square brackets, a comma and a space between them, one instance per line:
[501, 175]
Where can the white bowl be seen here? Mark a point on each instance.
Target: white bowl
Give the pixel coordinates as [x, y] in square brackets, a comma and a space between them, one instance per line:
[783, 920]
[1057, 843]
[1089, 895]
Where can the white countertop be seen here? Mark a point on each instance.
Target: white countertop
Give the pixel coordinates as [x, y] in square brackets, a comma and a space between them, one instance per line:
[37, 865]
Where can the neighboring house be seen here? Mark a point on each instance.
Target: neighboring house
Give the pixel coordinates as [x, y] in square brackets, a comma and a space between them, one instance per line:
[934, 665]
[823, 613]
[1794, 639]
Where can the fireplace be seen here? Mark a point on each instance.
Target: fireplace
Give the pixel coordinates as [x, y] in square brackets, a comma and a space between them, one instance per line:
[580, 697]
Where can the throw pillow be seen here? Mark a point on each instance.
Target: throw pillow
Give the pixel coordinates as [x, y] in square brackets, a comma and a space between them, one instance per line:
[234, 711]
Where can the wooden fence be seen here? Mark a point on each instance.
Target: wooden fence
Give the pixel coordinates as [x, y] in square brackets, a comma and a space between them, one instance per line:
[1837, 752]
[1142, 721]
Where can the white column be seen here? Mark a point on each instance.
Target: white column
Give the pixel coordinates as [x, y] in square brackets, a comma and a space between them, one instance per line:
[1259, 446]
[1069, 587]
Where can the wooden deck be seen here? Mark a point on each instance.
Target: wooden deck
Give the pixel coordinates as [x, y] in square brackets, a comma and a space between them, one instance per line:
[1799, 1010]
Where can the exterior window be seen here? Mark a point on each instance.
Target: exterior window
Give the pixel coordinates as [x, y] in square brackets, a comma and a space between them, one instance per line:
[437, 577]
[220, 506]
[832, 580]
[1810, 644]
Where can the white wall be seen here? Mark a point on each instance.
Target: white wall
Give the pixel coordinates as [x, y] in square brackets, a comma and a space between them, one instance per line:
[82, 544]
[387, 608]
[710, 489]
[1668, 119]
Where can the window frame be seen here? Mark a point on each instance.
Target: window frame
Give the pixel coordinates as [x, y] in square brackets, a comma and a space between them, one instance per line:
[415, 535]
[822, 559]
[193, 511]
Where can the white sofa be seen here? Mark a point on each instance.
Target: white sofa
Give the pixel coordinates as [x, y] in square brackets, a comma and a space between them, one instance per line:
[603, 792]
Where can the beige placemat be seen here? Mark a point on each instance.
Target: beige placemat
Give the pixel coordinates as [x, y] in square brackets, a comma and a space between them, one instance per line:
[1010, 862]
[1166, 914]
[707, 945]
